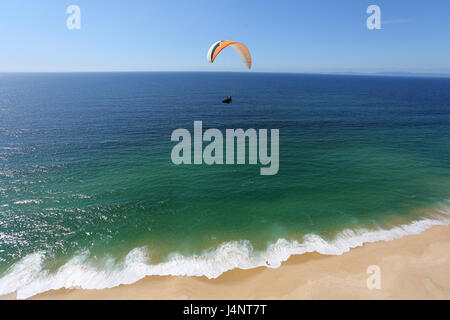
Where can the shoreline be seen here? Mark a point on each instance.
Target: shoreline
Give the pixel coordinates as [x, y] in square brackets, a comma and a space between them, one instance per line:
[412, 267]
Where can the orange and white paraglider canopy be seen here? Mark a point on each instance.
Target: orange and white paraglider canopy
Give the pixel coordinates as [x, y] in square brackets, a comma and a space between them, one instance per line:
[243, 51]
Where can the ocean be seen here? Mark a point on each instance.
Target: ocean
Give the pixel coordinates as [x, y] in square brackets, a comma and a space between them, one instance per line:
[90, 198]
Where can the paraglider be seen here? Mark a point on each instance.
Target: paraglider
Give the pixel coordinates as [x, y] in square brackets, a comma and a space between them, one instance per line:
[241, 49]
[228, 100]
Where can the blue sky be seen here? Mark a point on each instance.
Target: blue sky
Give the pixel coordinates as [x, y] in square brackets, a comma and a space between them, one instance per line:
[283, 36]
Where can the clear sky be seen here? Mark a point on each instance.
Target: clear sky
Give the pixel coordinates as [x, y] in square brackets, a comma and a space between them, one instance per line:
[284, 35]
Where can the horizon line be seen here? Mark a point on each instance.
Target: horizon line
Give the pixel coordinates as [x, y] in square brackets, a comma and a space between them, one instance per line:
[349, 73]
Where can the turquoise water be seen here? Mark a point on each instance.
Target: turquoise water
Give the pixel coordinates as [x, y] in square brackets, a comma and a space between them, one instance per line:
[87, 184]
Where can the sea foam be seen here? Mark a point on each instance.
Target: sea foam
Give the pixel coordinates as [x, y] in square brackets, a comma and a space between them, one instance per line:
[28, 278]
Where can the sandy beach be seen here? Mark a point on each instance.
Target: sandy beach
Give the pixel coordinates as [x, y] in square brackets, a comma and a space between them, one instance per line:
[413, 267]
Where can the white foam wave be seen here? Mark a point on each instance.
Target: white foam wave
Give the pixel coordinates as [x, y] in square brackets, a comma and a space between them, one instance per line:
[28, 201]
[28, 278]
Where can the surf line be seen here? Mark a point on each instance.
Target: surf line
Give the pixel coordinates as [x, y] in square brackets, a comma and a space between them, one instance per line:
[235, 147]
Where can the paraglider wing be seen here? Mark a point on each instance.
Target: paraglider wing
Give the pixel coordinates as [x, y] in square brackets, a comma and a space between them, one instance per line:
[243, 51]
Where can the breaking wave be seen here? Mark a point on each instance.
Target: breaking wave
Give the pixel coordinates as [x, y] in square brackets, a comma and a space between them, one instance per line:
[28, 278]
